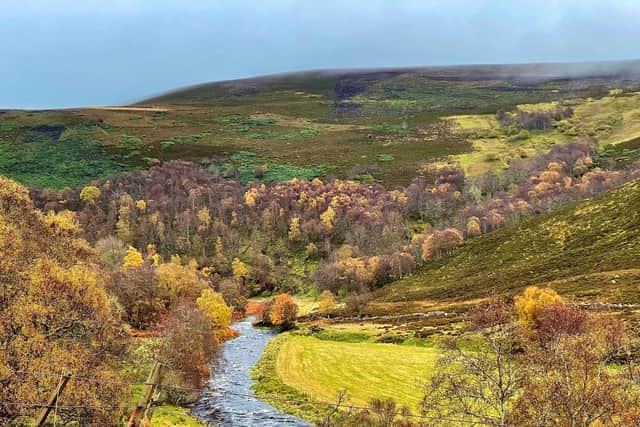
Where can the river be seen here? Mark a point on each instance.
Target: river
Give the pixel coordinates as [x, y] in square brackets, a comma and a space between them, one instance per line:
[224, 402]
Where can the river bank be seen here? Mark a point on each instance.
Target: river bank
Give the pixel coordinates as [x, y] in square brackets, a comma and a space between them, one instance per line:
[228, 399]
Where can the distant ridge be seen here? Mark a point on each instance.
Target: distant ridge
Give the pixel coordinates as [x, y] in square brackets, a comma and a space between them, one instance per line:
[304, 80]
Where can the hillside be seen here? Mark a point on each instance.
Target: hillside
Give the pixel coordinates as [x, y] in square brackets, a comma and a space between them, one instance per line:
[379, 125]
[587, 251]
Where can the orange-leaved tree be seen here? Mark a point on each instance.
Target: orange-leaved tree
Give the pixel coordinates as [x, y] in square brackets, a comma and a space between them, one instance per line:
[281, 311]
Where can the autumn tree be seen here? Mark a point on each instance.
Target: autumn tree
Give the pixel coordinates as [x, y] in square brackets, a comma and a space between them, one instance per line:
[90, 194]
[533, 300]
[217, 311]
[473, 226]
[441, 242]
[240, 269]
[54, 312]
[111, 251]
[478, 385]
[188, 344]
[179, 282]
[327, 301]
[133, 258]
[568, 379]
[281, 311]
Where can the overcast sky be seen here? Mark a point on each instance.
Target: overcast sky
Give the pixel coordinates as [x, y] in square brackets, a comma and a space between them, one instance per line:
[59, 53]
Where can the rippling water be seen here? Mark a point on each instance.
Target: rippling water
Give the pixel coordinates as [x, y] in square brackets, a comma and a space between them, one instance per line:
[219, 403]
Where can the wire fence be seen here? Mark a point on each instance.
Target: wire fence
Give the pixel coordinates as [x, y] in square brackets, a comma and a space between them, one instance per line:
[160, 385]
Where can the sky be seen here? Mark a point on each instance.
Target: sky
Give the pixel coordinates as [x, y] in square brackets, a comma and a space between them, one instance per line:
[70, 53]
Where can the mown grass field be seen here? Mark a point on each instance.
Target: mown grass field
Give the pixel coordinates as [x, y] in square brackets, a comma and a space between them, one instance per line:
[323, 368]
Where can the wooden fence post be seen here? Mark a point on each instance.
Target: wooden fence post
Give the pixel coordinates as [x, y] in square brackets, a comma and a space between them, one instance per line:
[53, 400]
[143, 408]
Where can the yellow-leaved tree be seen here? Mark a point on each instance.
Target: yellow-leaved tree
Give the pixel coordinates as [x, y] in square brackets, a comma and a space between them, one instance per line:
[328, 218]
[54, 313]
[281, 311]
[533, 300]
[217, 311]
[133, 258]
[90, 194]
[239, 269]
[327, 301]
[179, 282]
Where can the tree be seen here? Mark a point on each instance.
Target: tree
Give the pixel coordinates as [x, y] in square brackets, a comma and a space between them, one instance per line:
[328, 218]
[240, 269]
[54, 312]
[441, 242]
[90, 194]
[232, 292]
[188, 344]
[327, 301]
[111, 251]
[281, 311]
[179, 283]
[294, 229]
[568, 379]
[533, 300]
[133, 258]
[473, 226]
[478, 385]
[217, 311]
[140, 295]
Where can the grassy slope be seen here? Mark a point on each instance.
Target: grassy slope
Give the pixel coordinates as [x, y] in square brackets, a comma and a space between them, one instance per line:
[318, 122]
[589, 250]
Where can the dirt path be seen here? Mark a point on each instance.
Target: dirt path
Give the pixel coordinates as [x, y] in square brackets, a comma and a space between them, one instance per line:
[153, 109]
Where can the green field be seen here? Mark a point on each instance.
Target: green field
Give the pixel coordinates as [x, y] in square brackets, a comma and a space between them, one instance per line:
[322, 368]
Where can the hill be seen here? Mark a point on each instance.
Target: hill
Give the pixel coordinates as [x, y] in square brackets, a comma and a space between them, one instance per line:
[587, 251]
[378, 125]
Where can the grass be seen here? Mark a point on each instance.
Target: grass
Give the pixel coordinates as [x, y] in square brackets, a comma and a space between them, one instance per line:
[321, 369]
[614, 120]
[578, 250]
[312, 124]
[76, 158]
[269, 384]
[136, 368]
[169, 415]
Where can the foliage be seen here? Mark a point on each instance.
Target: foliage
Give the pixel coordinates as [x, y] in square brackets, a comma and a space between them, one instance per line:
[327, 301]
[133, 258]
[217, 311]
[188, 344]
[111, 251]
[90, 194]
[281, 311]
[54, 311]
[533, 301]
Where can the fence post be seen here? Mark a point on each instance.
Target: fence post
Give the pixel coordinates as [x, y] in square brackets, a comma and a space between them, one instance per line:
[143, 408]
[148, 411]
[53, 400]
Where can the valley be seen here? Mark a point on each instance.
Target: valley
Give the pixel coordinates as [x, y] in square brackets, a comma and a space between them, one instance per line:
[395, 236]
